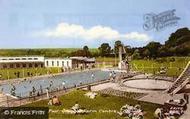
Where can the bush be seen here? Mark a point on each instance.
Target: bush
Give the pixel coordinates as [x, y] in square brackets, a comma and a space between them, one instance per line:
[161, 60]
[104, 95]
[171, 59]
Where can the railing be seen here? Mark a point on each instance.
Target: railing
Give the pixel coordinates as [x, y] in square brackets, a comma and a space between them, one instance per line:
[181, 86]
[180, 81]
[25, 98]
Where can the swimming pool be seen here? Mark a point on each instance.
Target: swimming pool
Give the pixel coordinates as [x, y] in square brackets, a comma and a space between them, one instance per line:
[68, 80]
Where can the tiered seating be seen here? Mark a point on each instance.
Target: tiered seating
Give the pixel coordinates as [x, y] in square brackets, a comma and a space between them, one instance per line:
[180, 80]
[110, 91]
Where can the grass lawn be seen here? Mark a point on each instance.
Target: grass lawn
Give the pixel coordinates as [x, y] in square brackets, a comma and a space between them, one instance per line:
[107, 59]
[100, 102]
[174, 67]
[107, 62]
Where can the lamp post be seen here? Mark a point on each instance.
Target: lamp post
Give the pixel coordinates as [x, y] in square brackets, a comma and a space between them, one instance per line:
[115, 57]
[153, 68]
[23, 72]
[104, 62]
[8, 74]
[47, 93]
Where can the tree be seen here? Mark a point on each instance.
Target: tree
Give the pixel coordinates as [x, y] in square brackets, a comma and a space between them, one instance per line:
[86, 51]
[153, 47]
[78, 53]
[105, 49]
[82, 52]
[136, 54]
[129, 50]
[85, 48]
[164, 51]
[146, 53]
[117, 44]
[177, 37]
[178, 44]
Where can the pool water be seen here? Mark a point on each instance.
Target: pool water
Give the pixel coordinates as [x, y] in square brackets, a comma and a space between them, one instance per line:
[22, 89]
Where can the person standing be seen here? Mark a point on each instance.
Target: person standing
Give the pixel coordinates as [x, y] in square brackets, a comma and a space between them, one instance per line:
[41, 89]
[92, 76]
[111, 75]
[33, 90]
[186, 97]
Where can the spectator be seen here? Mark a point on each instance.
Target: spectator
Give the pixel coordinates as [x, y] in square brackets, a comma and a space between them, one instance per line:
[50, 101]
[76, 107]
[56, 101]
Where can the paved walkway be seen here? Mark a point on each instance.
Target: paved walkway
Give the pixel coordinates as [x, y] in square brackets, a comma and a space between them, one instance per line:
[118, 87]
[159, 97]
[3, 99]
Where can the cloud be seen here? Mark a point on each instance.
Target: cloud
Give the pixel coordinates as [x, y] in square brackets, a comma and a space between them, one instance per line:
[65, 30]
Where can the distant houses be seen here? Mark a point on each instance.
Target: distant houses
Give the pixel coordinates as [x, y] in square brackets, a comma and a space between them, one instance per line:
[40, 62]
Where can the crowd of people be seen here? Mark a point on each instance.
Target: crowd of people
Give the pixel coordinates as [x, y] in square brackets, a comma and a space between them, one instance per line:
[112, 75]
[171, 113]
[54, 101]
[131, 111]
[172, 109]
[13, 89]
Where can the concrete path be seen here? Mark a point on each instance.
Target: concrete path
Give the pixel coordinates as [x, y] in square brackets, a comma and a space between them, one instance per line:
[118, 87]
[159, 97]
[3, 100]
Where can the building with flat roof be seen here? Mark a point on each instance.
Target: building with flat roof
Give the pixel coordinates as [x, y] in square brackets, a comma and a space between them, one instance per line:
[21, 62]
[83, 62]
[40, 61]
[58, 62]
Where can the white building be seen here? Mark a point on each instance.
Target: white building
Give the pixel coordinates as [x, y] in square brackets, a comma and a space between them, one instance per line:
[40, 61]
[21, 62]
[58, 62]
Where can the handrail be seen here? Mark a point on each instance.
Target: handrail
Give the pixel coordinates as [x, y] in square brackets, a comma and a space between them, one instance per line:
[179, 78]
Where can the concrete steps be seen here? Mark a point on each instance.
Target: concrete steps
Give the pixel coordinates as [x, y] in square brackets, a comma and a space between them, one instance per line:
[181, 81]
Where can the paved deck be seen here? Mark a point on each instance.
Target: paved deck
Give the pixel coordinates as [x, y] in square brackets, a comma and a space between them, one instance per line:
[3, 99]
[118, 87]
[160, 97]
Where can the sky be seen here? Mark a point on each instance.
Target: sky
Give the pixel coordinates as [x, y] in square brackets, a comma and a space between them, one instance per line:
[75, 23]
